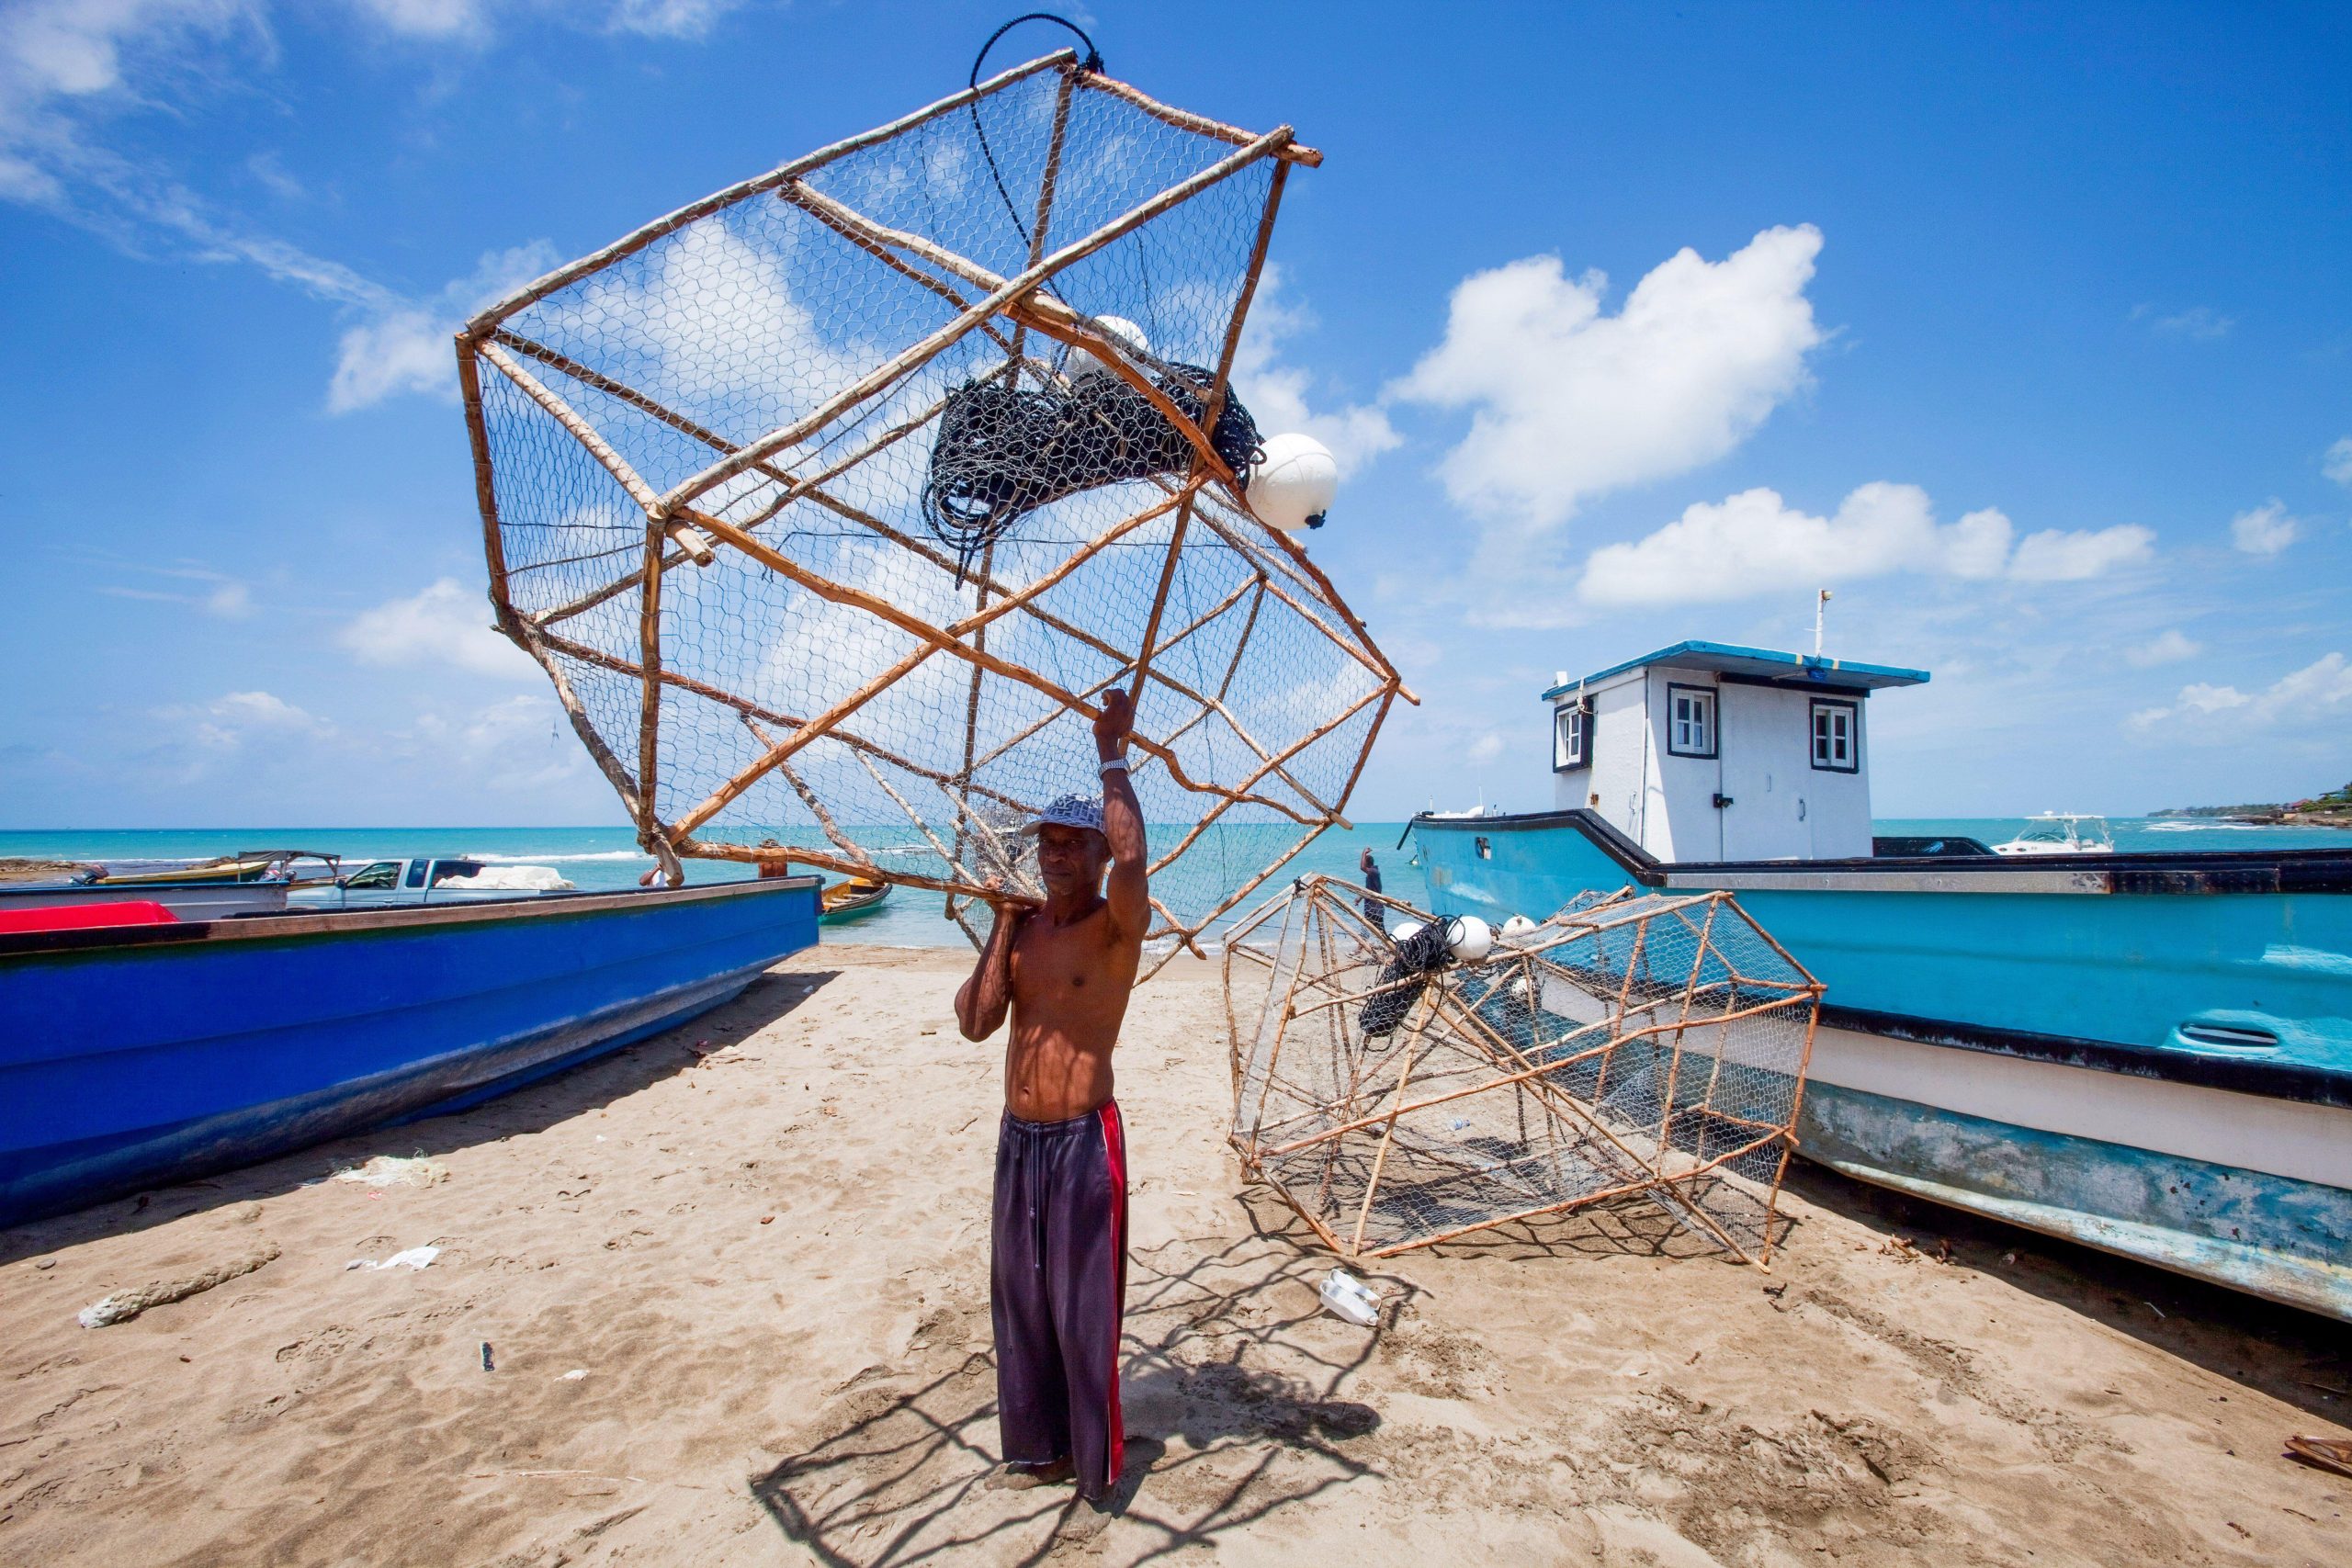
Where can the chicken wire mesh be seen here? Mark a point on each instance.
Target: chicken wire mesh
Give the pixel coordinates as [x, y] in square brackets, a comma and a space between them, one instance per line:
[1647, 1046]
[831, 502]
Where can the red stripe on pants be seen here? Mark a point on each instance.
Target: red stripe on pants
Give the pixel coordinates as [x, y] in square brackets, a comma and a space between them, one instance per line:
[1114, 1146]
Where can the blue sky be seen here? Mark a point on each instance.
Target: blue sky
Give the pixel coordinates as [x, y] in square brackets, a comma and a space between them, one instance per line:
[2024, 329]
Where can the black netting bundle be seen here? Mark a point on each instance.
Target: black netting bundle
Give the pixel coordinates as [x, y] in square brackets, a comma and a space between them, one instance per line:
[1419, 956]
[1002, 451]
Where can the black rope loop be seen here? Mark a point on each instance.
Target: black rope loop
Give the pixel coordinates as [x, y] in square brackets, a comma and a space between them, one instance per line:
[1092, 64]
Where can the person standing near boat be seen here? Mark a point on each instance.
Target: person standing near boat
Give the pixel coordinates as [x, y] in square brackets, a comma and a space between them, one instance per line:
[1063, 971]
[1374, 909]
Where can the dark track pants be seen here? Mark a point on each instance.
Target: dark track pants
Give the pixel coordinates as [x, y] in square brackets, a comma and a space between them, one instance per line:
[1058, 1278]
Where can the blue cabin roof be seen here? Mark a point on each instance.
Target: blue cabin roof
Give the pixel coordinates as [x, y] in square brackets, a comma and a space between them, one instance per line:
[1763, 664]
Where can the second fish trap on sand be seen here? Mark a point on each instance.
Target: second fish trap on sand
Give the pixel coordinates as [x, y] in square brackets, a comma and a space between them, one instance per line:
[1399, 1092]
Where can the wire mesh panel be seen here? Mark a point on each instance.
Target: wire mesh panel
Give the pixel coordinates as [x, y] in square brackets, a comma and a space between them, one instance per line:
[1399, 1092]
[832, 503]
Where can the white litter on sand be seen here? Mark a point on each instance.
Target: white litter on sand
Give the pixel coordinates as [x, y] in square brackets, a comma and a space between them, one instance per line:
[391, 1170]
[415, 1257]
[1346, 1296]
[575, 1374]
[124, 1306]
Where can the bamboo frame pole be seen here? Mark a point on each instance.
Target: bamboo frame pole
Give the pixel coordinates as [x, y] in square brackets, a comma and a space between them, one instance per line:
[1117, 673]
[808, 797]
[1673, 1065]
[980, 619]
[745, 777]
[649, 713]
[1040, 223]
[526, 637]
[1184, 120]
[855, 742]
[637, 240]
[1380, 1155]
[1244, 891]
[751, 855]
[840, 593]
[575, 425]
[1585, 1201]
[945, 337]
[1526, 1075]
[1038, 314]
[1293, 749]
[494, 542]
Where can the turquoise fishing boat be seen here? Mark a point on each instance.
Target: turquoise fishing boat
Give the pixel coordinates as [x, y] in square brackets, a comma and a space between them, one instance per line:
[2146, 1053]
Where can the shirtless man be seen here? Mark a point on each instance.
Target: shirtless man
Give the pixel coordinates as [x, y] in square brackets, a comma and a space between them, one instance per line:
[1058, 1262]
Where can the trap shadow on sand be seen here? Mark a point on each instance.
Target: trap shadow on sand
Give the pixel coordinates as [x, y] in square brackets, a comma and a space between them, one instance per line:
[1220, 1435]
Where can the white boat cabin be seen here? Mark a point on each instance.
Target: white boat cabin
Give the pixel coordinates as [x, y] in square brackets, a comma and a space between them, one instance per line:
[1704, 751]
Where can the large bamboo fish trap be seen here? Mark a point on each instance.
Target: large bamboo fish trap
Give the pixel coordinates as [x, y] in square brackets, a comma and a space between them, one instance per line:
[1649, 1046]
[832, 503]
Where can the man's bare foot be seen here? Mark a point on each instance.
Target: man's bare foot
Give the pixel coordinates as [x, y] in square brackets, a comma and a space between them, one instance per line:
[1083, 1520]
[1020, 1477]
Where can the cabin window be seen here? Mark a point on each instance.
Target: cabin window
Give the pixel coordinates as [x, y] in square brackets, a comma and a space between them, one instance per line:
[1572, 734]
[1690, 721]
[416, 872]
[383, 873]
[1834, 727]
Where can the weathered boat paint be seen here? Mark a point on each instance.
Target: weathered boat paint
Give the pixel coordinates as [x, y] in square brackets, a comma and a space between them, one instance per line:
[2272, 1236]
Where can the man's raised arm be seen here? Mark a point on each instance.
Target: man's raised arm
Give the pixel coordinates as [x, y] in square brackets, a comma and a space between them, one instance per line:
[1128, 892]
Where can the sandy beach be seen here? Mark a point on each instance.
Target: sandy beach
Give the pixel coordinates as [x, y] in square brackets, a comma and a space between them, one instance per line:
[733, 1284]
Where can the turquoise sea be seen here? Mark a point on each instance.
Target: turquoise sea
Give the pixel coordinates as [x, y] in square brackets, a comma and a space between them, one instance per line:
[597, 858]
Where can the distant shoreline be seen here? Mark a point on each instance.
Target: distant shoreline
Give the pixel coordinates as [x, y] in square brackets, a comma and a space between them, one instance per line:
[2329, 812]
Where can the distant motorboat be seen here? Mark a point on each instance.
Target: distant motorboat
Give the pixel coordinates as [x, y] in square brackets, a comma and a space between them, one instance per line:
[2060, 833]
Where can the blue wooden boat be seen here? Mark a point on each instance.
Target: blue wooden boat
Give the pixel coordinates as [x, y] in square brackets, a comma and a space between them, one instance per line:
[2147, 1053]
[140, 1055]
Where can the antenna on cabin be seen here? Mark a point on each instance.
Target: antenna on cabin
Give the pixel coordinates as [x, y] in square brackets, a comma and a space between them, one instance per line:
[1820, 607]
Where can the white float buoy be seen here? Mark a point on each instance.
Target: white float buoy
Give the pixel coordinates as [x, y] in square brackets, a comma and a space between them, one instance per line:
[1120, 329]
[1518, 927]
[1468, 939]
[1291, 486]
[1405, 931]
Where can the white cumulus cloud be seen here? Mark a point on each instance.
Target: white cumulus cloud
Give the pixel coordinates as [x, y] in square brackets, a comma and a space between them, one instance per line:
[229, 720]
[406, 347]
[2168, 646]
[2336, 463]
[1275, 392]
[2078, 555]
[1567, 402]
[2265, 530]
[446, 624]
[2322, 686]
[1755, 543]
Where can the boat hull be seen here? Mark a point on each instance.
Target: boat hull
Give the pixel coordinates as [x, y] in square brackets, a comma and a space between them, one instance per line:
[131, 1059]
[2251, 1193]
[2148, 1054]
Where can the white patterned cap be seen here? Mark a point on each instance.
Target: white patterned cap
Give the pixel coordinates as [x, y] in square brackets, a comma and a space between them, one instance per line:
[1069, 811]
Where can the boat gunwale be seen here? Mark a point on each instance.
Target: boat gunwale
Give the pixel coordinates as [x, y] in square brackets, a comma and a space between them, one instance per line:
[2123, 872]
[393, 917]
